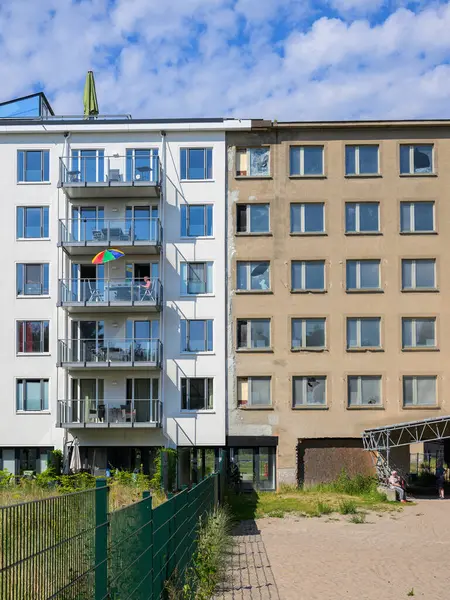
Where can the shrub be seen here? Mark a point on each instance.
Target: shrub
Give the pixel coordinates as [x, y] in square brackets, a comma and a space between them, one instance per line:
[47, 478]
[358, 485]
[6, 478]
[74, 483]
[358, 518]
[324, 509]
[347, 507]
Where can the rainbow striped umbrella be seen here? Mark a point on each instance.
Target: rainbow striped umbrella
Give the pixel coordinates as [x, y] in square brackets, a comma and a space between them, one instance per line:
[107, 256]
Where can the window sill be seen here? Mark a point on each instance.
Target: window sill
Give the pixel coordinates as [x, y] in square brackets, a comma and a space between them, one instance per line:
[418, 233]
[421, 291]
[358, 233]
[197, 180]
[308, 291]
[253, 177]
[363, 176]
[187, 238]
[255, 292]
[308, 233]
[421, 349]
[33, 412]
[365, 349]
[255, 350]
[33, 354]
[265, 407]
[34, 183]
[416, 407]
[39, 239]
[322, 176]
[256, 234]
[309, 349]
[310, 408]
[418, 174]
[368, 291]
[30, 296]
[366, 407]
[197, 295]
[200, 411]
[199, 353]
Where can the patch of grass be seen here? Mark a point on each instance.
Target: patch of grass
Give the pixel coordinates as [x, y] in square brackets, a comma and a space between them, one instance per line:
[348, 507]
[323, 508]
[358, 518]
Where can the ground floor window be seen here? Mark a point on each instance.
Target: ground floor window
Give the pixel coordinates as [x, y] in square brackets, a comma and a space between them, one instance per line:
[100, 460]
[256, 466]
[194, 464]
[24, 461]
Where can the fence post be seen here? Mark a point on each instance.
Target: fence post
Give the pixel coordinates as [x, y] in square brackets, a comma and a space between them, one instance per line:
[148, 532]
[101, 539]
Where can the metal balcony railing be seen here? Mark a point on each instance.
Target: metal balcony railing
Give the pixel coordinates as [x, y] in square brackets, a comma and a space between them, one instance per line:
[108, 232]
[110, 291]
[121, 412]
[96, 168]
[110, 351]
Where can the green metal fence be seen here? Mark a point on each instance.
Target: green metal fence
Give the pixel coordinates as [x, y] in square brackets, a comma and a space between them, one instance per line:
[71, 548]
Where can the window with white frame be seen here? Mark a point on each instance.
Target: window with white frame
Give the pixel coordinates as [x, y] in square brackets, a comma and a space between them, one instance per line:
[253, 276]
[417, 217]
[32, 279]
[306, 161]
[308, 334]
[419, 332]
[196, 278]
[31, 395]
[364, 390]
[196, 220]
[416, 159]
[33, 166]
[308, 275]
[308, 217]
[32, 222]
[362, 160]
[196, 163]
[419, 274]
[252, 218]
[253, 333]
[32, 337]
[254, 391]
[252, 162]
[309, 390]
[362, 217]
[197, 393]
[196, 335]
[363, 332]
[363, 275]
[419, 391]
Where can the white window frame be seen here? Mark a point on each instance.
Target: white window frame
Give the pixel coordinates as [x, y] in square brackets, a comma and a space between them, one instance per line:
[303, 230]
[413, 262]
[415, 379]
[303, 345]
[97, 157]
[412, 218]
[249, 334]
[357, 161]
[248, 268]
[414, 323]
[302, 160]
[303, 287]
[205, 162]
[22, 323]
[411, 158]
[185, 342]
[358, 218]
[207, 382]
[359, 379]
[248, 219]
[248, 151]
[25, 151]
[359, 321]
[305, 379]
[249, 380]
[205, 221]
[206, 270]
[24, 208]
[358, 274]
[42, 380]
[23, 265]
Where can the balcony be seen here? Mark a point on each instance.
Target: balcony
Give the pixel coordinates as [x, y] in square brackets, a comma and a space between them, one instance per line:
[89, 174]
[109, 413]
[83, 236]
[92, 295]
[108, 353]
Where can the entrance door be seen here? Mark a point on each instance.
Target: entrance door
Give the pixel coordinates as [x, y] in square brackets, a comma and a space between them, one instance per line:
[257, 467]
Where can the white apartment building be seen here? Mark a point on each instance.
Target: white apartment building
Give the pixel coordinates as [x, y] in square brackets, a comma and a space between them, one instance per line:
[130, 355]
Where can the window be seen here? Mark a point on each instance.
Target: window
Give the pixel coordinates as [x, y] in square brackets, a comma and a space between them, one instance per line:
[306, 160]
[33, 165]
[361, 160]
[253, 218]
[32, 394]
[416, 217]
[196, 220]
[363, 275]
[32, 222]
[308, 334]
[252, 162]
[196, 393]
[196, 278]
[309, 391]
[32, 336]
[253, 276]
[253, 333]
[308, 275]
[196, 335]
[364, 390]
[362, 217]
[416, 159]
[254, 391]
[419, 391]
[32, 279]
[419, 333]
[418, 274]
[196, 163]
[88, 166]
[142, 164]
[307, 218]
[363, 332]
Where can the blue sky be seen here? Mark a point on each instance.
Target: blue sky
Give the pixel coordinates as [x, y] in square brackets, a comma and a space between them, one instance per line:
[275, 59]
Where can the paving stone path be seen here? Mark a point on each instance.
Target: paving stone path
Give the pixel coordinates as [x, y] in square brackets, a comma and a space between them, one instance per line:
[249, 576]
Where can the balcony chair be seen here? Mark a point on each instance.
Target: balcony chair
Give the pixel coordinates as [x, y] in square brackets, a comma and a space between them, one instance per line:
[95, 294]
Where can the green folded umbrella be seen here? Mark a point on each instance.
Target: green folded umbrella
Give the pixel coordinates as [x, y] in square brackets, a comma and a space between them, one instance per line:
[90, 96]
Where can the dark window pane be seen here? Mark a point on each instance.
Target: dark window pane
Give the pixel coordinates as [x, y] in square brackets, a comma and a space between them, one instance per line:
[370, 274]
[242, 334]
[20, 222]
[350, 217]
[241, 218]
[296, 218]
[33, 222]
[294, 160]
[350, 161]
[196, 394]
[197, 336]
[370, 333]
[315, 279]
[423, 216]
[351, 274]
[196, 166]
[423, 156]
[259, 218]
[313, 160]
[315, 333]
[242, 276]
[368, 160]
[425, 274]
[33, 165]
[314, 218]
[368, 216]
[404, 159]
[183, 163]
[196, 221]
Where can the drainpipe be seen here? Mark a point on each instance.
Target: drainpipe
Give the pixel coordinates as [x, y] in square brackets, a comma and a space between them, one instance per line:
[162, 205]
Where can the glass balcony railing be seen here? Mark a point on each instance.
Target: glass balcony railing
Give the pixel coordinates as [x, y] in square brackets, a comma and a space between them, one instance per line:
[91, 166]
[117, 351]
[109, 232]
[101, 412]
[110, 291]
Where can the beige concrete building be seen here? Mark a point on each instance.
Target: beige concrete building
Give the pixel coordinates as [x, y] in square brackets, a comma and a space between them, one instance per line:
[339, 314]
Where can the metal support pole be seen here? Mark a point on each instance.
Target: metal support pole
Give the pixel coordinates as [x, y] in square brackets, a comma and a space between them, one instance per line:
[101, 539]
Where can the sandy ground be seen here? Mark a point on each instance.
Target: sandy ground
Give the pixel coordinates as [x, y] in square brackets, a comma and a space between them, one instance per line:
[383, 559]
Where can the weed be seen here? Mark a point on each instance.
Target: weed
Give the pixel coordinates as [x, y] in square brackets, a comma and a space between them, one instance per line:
[278, 514]
[323, 508]
[347, 507]
[411, 592]
[358, 518]
[288, 488]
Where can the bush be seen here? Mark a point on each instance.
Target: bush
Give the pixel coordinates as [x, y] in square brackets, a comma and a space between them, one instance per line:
[359, 485]
[347, 507]
[47, 478]
[75, 483]
[324, 509]
[6, 478]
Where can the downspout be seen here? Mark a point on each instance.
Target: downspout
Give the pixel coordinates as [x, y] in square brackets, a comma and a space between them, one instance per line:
[162, 205]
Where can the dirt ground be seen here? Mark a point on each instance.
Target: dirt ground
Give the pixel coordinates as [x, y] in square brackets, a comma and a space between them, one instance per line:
[390, 557]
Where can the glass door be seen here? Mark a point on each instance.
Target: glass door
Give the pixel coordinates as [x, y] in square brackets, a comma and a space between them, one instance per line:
[88, 404]
[88, 341]
[140, 394]
[142, 164]
[144, 336]
[141, 221]
[88, 166]
[256, 466]
[88, 283]
[88, 223]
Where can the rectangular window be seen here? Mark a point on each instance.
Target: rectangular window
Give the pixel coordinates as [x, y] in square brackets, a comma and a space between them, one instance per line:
[364, 332]
[419, 333]
[196, 220]
[253, 276]
[33, 165]
[253, 333]
[252, 218]
[306, 160]
[142, 164]
[308, 334]
[32, 394]
[362, 217]
[309, 391]
[254, 391]
[416, 217]
[87, 166]
[363, 275]
[361, 160]
[196, 335]
[364, 390]
[419, 274]
[308, 218]
[419, 391]
[32, 336]
[32, 279]
[32, 222]
[308, 275]
[196, 278]
[416, 159]
[252, 162]
[196, 163]
[196, 393]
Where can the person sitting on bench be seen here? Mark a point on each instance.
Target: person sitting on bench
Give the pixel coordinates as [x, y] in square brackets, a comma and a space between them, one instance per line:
[395, 483]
